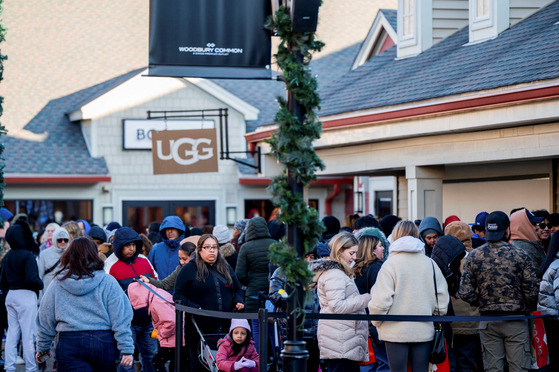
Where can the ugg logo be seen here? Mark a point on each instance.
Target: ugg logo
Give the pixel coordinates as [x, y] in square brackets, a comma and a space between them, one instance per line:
[184, 151]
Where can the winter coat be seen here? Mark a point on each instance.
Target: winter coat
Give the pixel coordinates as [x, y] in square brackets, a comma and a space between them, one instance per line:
[429, 223]
[548, 299]
[523, 236]
[338, 294]
[49, 259]
[252, 263]
[500, 278]
[168, 283]
[225, 359]
[368, 277]
[405, 286]
[85, 304]
[230, 254]
[19, 265]
[462, 231]
[164, 256]
[211, 294]
[162, 313]
[126, 270]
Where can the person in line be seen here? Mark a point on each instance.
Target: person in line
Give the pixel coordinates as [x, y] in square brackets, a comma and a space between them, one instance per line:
[73, 229]
[49, 259]
[127, 246]
[478, 230]
[20, 280]
[548, 299]
[429, 231]
[209, 283]
[523, 235]
[221, 232]
[343, 343]
[368, 262]
[238, 237]
[88, 311]
[236, 352]
[164, 256]
[500, 278]
[252, 267]
[543, 228]
[47, 240]
[406, 285]
[186, 253]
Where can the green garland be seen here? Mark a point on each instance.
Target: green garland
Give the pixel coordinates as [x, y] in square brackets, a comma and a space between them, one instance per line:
[2, 129]
[292, 143]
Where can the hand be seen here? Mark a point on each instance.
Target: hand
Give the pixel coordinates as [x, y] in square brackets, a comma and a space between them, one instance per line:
[249, 363]
[238, 365]
[39, 354]
[239, 306]
[127, 360]
[144, 279]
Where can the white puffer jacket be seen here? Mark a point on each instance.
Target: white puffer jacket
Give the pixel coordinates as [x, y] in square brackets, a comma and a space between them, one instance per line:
[338, 294]
[405, 286]
[549, 290]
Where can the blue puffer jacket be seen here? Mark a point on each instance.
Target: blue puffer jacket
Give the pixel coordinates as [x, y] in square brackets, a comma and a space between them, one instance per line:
[164, 256]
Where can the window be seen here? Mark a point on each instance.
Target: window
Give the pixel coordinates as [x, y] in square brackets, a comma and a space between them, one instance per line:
[383, 203]
[408, 18]
[482, 8]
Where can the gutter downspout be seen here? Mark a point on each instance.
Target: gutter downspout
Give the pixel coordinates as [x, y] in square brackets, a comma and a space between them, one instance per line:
[329, 198]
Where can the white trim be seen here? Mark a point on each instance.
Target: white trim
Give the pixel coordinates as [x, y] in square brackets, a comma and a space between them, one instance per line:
[372, 38]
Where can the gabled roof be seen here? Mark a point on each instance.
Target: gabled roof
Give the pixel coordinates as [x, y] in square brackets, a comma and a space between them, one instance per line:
[381, 36]
[63, 151]
[525, 53]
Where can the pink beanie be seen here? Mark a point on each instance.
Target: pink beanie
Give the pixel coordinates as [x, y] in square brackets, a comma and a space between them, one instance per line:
[236, 323]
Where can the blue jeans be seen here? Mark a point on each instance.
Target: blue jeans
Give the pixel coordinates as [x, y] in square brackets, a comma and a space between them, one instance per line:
[146, 345]
[86, 351]
[381, 359]
[256, 333]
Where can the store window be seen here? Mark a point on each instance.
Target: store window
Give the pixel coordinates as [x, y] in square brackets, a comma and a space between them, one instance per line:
[383, 203]
[41, 212]
[139, 214]
[265, 208]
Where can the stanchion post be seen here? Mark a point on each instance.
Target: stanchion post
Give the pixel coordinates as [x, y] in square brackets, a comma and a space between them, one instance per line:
[263, 340]
[179, 328]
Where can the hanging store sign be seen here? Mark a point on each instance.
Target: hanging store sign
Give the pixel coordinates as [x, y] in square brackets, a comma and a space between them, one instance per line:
[184, 151]
[209, 39]
[137, 132]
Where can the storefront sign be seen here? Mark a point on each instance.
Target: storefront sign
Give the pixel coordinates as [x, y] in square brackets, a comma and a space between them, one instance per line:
[210, 39]
[137, 133]
[184, 151]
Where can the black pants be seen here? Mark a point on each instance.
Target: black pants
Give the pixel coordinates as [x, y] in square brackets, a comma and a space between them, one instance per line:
[163, 355]
[552, 332]
[342, 365]
[417, 353]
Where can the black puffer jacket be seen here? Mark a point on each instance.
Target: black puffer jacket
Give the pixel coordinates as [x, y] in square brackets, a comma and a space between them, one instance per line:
[19, 266]
[252, 263]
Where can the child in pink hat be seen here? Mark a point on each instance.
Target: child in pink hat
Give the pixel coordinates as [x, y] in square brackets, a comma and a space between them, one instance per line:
[236, 352]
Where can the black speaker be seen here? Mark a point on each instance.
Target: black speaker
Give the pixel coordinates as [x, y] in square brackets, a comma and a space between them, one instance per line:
[304, 15]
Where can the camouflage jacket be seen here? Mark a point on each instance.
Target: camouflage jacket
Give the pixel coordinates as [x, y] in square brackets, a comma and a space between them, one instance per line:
[499, 278]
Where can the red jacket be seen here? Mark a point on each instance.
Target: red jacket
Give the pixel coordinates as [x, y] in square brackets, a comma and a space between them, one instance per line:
[225, 358]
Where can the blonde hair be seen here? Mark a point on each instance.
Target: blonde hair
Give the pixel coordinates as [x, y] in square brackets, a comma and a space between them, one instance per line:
[365, 254]
[339, 243]
[405, 228]
[73, 229]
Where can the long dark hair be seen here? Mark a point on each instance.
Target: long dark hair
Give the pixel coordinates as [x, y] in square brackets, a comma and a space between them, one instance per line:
[81, 258]
[221, 265]
[551, 253]
[237, 348]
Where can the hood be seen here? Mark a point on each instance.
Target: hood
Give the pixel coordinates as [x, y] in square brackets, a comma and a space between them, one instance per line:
[123, 236]
[430, 223]
[81, 287]
[407, 244]
[462, 231]
[140, 296]
[373, 231]
[20, 236]
[277, 229]
[227, 250]
[172, 222]
[323, 264]
[521, 228]
[447, 250]
[97, 233]
[257, 228]
[60, 233]
[86, 226]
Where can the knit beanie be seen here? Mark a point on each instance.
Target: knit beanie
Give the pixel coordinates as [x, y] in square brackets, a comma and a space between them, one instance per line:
[221, 232]
[97, 233]
[236, 323]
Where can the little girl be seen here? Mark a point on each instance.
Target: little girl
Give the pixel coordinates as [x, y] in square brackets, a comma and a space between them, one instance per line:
[236, 352]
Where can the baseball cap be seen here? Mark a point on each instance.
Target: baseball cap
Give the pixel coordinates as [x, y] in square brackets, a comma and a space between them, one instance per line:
[496, 224]
[532, 218]
[480, 219]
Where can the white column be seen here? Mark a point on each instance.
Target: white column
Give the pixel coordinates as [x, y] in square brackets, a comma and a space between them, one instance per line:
[425, 192]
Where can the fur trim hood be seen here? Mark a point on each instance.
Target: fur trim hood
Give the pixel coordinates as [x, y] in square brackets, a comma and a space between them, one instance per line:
[227, 250]
[407, 244]
[323, 264]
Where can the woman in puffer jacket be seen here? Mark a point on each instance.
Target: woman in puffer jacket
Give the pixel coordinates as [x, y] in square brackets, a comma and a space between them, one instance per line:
[548, 302]
[342, 343]
[405, 286]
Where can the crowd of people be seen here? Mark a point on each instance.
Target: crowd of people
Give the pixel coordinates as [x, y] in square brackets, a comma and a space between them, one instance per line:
[97, 298]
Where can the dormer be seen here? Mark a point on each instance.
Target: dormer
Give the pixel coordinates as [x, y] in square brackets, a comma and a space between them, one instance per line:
[423, 23]
[381, 37]
[488, 18]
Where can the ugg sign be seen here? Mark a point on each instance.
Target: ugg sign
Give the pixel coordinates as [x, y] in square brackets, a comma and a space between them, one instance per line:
[184, 151]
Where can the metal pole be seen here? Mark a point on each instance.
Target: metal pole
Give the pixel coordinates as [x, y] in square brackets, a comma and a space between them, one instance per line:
[263, 340]
[178, 339]
[294, 353]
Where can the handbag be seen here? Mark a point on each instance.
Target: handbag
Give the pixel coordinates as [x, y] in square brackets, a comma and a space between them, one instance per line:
[438, 347]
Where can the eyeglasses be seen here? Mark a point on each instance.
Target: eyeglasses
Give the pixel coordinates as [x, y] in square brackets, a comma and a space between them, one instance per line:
[62, 240]
[208, 247]
[543, 225]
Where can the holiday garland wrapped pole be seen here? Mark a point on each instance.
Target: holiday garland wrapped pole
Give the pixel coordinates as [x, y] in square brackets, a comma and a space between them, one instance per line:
[292, 143]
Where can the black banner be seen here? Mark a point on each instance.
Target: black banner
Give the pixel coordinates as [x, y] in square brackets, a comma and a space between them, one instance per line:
[209, 39]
